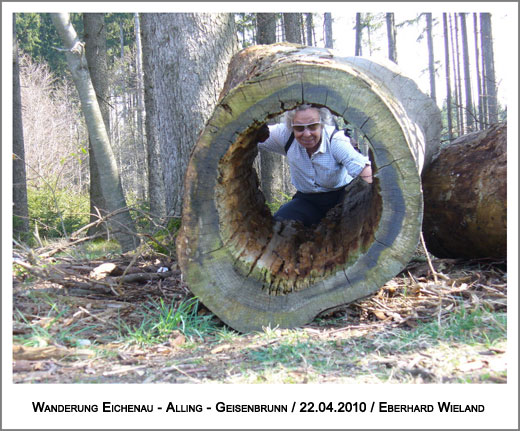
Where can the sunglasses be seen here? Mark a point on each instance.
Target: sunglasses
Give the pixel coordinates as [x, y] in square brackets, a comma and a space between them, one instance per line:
[312, 127]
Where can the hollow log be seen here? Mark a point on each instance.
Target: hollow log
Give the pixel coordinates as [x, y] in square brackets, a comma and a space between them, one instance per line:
[253, 272]
[465, 197]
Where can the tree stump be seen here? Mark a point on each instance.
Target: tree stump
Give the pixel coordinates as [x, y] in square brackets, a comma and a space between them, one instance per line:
[253, 272]
[465, 197]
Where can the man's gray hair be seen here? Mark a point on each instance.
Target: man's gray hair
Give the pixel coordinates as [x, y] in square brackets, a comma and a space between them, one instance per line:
[325, 115]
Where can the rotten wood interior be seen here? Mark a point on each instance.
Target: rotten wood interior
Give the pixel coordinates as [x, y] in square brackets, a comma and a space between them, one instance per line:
[286, 256]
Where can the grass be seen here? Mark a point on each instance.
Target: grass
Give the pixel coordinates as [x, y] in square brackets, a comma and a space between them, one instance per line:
[160, 320]
[280, 199]
[93, 250]
[477, 326]
[50, 330]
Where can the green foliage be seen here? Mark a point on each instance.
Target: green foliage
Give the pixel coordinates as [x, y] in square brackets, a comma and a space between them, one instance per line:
[38, 37]
[160, 320]
[165, 238]
[120, 31]
[55, 213]
[245, 24]
[280, 199]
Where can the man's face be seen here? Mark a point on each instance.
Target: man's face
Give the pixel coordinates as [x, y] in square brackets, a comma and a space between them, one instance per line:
[308, 137]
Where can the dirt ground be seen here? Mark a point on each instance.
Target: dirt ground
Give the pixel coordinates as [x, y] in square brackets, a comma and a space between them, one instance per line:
[363, 342]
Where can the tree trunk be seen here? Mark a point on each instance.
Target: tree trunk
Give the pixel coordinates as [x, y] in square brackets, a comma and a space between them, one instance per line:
[456, 75]
[266, 28]
[142, 170]
[468, 108]
[489, 67]
[271, 164]
[390, 31]
[431, 57]
[291, 23]
[156, 191]
[185, 57]
[20, 206]
[465, 197]
[252, 271]
[359, 32]
[327, 23]
[122, 224]
[96, 55]
[309, 26]
[448, 83]
[480, 123]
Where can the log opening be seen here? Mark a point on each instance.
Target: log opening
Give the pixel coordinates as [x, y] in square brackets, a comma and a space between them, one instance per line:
[252, 271]
[287, 256]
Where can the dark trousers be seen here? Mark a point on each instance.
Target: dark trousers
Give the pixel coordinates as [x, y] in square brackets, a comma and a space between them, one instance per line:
[309, 208]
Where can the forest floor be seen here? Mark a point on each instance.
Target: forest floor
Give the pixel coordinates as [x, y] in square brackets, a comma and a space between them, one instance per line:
[76, 321]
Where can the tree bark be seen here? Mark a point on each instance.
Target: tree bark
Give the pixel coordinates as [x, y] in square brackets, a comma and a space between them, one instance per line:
[431, 56]
[291, 23]
[266, 28]
[465, 197]
[20, 206]
[309, 26]
[359, 32]
[121, 224]
[480, 123]
[96, 55]
[489, 67]
[449, 113]
[156, 190]
[252, 271]
[390, 31]
[327, 23]
[185, 56]
[271, 165]
[468, 107]
[142, 171]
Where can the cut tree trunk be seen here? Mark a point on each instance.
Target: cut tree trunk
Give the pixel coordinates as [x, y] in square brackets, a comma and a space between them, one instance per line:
[465, 197]
[254, 272]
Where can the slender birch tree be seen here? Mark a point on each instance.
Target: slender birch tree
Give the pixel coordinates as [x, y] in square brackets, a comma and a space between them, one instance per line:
[121, 223]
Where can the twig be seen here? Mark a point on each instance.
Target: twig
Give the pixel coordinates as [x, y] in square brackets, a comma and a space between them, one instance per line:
[106, 322]
[137, 255]
[432, 269]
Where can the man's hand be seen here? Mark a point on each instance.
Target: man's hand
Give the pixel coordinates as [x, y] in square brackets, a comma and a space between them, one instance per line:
[262, 134]
[366, 174]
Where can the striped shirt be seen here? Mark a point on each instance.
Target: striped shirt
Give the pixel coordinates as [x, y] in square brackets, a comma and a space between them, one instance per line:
[335, 164]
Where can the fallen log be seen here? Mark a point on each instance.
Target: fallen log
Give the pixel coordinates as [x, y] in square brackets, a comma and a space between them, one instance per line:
[465, 197]
[252, 271]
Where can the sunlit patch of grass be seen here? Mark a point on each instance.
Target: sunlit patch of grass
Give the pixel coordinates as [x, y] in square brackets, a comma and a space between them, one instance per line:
[280, 199]
[160, 320]
[226, 335]
[97, 249]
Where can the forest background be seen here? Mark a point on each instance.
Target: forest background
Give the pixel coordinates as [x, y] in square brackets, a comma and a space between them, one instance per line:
[58, 174]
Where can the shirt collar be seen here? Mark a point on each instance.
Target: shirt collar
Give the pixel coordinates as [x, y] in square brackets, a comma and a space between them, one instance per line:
[324, 137]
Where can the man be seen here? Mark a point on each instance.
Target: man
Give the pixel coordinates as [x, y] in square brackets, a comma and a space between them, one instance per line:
[321, 162]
